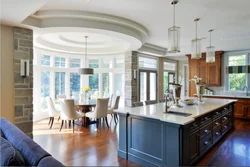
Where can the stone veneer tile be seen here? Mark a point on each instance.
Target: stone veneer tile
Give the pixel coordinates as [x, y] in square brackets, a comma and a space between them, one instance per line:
[23, 49]
[18, 79]
[23, 92]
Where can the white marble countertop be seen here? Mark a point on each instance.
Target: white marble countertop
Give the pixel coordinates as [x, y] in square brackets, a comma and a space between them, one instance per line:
[229, 95]
[156, 111]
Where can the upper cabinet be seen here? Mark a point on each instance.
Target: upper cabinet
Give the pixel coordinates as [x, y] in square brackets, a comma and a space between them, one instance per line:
[209, 72]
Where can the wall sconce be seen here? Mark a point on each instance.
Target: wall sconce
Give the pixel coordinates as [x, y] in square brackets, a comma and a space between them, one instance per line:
[135, 74]
[24, 68]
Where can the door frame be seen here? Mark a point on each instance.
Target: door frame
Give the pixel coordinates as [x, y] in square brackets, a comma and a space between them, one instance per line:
[148, 83]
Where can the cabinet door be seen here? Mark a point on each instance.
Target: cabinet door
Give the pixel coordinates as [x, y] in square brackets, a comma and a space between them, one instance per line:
[247, 111]
[194, 147]
[214, 73]
[202, 69]
[239, 109]
[193, 65]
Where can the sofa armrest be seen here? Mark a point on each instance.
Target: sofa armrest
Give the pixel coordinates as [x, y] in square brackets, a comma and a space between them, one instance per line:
[49, 161]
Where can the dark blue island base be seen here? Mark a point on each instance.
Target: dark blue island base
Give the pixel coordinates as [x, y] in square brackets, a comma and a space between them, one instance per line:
[151, 142]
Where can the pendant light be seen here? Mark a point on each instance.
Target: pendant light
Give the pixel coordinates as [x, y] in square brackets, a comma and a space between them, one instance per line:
[210, 56]
[86, 71]
[174, 34]
[196, 44]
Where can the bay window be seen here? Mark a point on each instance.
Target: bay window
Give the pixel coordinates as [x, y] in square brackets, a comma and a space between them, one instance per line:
[56, 73]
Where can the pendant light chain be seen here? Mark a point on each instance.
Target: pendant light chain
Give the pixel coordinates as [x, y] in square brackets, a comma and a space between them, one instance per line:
[210, 38]
[174, 16]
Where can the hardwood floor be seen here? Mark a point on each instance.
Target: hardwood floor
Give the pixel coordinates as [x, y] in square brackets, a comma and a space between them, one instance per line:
[87, 147]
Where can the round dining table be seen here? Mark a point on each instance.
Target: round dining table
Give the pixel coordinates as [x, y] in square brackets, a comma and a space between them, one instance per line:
[84, 107]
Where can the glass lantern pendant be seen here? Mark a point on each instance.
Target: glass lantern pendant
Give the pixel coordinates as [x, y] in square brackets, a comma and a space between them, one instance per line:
[196, 45]
[174, 35]
[210, 55]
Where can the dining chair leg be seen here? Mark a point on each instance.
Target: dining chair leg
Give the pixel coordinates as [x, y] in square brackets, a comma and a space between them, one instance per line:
[49, 120]
[106, 119]
[58, 118]
[52, 121]
[115, 119]
[73, 125]
[61, 125]
[69, 123]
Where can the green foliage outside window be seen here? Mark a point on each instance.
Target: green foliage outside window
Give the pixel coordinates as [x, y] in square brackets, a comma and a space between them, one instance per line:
[237, 81]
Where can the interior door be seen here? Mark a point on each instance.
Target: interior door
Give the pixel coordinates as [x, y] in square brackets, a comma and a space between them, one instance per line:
[148, 85]
[171, 77]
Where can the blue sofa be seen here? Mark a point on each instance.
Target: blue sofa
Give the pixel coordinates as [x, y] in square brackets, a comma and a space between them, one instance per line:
[13, 139]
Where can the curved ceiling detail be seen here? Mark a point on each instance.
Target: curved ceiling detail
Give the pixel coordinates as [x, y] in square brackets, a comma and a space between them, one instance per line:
[112, 32]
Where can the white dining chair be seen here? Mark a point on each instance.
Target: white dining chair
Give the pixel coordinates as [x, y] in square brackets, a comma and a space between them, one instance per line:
[52, 111]
[114, 106]
[100, 111]
[68, 112]
[110, 100]
[61, 96]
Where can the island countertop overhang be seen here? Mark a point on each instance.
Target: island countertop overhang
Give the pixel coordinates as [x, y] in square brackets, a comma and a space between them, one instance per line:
[156, 111]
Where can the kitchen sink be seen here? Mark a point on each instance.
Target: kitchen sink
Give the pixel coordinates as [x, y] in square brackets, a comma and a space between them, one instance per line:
[178, 113]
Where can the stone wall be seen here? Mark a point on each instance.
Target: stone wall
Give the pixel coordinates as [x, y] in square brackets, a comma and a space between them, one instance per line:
[131, 64]
[23, 86]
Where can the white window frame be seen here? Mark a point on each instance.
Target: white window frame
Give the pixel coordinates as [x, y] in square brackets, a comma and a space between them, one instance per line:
[226, 64]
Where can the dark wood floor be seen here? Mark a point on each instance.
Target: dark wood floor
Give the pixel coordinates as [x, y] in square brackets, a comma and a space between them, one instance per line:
[87, 147]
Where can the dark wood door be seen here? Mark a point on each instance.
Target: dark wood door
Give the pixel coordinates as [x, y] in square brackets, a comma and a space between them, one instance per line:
[214, 72]
[194, 147]
[247, 111]
[239, 109]
[193, 65]
[202, 69]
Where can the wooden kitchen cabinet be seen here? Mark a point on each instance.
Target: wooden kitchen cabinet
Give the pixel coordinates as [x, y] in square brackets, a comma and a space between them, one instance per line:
[209, 72]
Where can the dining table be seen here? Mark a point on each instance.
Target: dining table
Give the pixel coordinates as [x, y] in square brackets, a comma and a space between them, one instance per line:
[84, 107]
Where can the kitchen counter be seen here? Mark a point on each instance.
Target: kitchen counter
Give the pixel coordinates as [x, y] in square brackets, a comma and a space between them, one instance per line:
[150, 137]
[229, 96]
[156, 111]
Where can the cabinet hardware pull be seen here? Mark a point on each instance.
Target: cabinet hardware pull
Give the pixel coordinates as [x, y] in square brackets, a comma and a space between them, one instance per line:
[225, 127]
[206, 143]
[225, 118]
[217, 113]
[217, 133]
[206, 118]
[216, 123]
[206, 131]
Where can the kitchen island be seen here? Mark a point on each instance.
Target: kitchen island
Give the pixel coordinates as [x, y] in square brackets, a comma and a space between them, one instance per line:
[150, 137]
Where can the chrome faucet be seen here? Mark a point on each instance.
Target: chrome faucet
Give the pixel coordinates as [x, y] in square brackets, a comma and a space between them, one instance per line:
[245, 87]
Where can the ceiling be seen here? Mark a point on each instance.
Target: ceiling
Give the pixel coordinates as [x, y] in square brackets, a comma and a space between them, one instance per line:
[230, 19]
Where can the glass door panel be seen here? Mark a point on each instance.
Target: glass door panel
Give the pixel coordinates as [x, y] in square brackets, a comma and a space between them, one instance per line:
[143, 86]
[105, 84]
[148, 85]
[153, 87]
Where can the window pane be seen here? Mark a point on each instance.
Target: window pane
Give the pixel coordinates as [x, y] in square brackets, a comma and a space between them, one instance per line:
[93, 63]
[143, 86]
[74, 83]
[237, 81]
[237, 60]
[59, 83]
[169, 66]
[45, 60]
[75, 63]
[105, 84]
[119, 63]
[59, 62]
[147, 62]
[45, 88]
[165, 82]
[106, 63]
[119, 85]
[94, 85]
